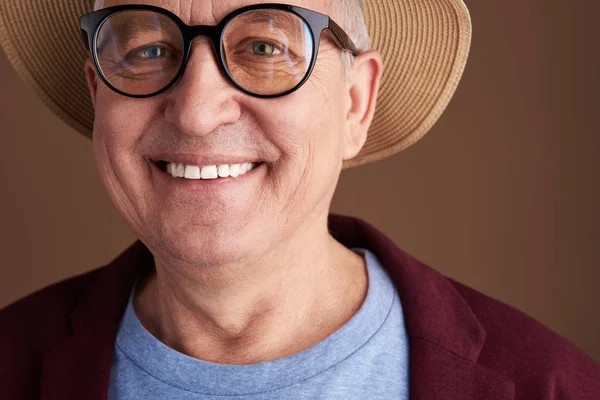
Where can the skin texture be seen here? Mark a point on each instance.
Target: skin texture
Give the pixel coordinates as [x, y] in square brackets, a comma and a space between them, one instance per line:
[245, 272]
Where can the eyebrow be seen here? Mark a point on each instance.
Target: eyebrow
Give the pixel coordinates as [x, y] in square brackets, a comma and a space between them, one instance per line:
[277, 19]
[125, 30]
[128, 29]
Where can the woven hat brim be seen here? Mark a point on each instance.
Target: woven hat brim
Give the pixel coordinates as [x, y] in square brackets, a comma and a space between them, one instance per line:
[424, 43]
[43, 42]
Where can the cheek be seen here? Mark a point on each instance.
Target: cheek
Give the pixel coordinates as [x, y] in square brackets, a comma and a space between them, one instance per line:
[307, 127]
[114, 135]
[119, 124]
[120, 120]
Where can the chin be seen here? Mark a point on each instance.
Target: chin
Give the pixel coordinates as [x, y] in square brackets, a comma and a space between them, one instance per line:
[207, 246]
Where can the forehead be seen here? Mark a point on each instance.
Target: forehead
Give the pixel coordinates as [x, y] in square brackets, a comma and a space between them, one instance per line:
[210, 12]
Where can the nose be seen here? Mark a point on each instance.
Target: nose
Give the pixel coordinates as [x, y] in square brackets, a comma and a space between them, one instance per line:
[204, 98]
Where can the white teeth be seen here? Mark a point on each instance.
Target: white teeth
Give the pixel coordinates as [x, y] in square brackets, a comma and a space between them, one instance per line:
[234, 170]
[192, 172]
[223, 171]
[208, 171]
[176, 170]
[180, 171]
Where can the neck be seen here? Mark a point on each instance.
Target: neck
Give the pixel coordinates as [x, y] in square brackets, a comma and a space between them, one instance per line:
[274, 306]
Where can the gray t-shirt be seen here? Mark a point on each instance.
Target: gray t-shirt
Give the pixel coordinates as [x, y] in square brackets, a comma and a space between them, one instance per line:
[367, 358]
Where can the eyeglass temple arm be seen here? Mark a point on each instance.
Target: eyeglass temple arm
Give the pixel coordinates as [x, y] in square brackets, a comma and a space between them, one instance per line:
[84, 36]
[86, 41]
[342, 38]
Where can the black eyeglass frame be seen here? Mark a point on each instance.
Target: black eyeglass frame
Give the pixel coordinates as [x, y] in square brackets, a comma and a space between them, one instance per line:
[317, 23]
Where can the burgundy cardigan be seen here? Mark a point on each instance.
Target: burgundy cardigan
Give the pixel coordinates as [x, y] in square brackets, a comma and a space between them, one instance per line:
[57, 344]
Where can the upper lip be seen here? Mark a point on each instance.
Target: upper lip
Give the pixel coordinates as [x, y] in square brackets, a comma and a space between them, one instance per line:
[206, 159]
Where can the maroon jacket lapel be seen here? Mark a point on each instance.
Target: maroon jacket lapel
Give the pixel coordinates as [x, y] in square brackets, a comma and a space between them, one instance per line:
[445, 336]
[79, 367]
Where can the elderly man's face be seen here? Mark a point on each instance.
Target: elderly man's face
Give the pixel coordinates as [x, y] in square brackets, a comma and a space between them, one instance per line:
[300, 140]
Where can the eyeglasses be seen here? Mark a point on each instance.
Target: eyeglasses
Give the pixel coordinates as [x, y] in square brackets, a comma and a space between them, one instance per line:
[266, 50]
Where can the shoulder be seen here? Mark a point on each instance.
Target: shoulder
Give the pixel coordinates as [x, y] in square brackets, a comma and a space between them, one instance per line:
[525, 350]
[43, 316]
[32, 325]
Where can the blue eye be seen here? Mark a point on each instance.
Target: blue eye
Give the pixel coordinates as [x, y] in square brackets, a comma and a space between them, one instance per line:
[153, 52]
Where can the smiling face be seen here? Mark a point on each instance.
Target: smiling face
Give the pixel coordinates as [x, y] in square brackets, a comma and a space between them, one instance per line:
[150, 151]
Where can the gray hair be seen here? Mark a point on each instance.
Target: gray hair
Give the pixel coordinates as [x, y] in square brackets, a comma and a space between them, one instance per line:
[351, 17]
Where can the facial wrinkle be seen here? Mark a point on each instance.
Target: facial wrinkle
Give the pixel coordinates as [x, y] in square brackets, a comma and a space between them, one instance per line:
[188, 12]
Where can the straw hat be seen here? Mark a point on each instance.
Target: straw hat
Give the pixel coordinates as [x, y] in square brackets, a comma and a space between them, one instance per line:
[425, 44]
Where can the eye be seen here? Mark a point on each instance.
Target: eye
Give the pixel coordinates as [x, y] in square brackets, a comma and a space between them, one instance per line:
[264, 49]
[152, 52]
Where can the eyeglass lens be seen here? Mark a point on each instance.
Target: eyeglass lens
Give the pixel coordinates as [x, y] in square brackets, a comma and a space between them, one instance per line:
[266, 51]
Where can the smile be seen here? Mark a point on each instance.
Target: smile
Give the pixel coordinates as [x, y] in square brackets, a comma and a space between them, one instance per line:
[205, 172]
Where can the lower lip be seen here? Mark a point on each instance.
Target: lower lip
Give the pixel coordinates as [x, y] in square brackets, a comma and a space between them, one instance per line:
[206, 184]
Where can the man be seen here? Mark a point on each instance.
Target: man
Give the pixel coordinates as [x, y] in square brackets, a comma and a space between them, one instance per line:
[220, 130]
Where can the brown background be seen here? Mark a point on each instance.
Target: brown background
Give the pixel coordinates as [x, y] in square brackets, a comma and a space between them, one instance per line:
[501, 195]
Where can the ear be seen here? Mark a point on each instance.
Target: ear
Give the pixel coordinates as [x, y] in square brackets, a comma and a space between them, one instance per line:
[364, 87]
[92, 80]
